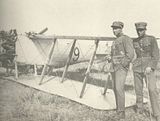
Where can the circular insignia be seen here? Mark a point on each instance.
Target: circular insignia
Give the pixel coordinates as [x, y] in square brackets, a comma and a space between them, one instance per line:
[76, 54]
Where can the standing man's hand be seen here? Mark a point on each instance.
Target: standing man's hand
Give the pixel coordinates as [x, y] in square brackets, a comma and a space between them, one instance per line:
[108, 58]
[148, 70]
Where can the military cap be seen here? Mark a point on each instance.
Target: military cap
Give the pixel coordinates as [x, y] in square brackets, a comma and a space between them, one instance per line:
[117, 24]
[141, 25]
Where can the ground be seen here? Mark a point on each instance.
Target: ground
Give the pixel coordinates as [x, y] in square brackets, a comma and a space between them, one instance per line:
[21, 103]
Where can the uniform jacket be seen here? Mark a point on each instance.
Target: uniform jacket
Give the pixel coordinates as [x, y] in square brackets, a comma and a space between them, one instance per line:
[147, 52]
[122, 52]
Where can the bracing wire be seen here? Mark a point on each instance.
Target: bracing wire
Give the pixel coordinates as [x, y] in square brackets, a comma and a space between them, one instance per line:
[42, 51]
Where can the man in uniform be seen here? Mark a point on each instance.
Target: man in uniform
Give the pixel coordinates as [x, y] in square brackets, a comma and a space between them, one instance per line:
[122, 53]
[144, 66]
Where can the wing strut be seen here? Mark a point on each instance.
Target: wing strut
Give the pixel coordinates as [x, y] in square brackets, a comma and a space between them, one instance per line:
[89, 68]
[68, 60]
[48, 60]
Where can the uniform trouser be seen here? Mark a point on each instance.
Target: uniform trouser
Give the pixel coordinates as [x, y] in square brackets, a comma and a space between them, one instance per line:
[119, 77]
[138, 80]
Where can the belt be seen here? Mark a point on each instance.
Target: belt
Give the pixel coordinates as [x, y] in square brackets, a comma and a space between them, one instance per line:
[144, 57]
[117, 56]
[117, 59]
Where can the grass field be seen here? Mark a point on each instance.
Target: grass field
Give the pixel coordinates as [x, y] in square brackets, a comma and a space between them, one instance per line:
[21, 103]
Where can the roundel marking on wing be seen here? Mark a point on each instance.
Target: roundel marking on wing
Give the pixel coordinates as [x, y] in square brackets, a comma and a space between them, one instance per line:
[76, 54]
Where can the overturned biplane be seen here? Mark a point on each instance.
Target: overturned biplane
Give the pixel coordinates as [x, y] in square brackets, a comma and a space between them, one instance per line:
[50, 54]
[62, 51]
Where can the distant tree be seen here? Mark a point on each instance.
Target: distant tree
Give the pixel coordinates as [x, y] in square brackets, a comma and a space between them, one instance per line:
[7, 45]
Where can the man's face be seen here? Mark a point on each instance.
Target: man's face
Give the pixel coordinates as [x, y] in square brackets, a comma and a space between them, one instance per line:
[117, 31]
[141, 32]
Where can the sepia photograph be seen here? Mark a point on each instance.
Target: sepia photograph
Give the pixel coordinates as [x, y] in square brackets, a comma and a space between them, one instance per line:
[79, 60]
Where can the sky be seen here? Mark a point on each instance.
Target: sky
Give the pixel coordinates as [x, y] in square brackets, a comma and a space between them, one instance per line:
[79, 17]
